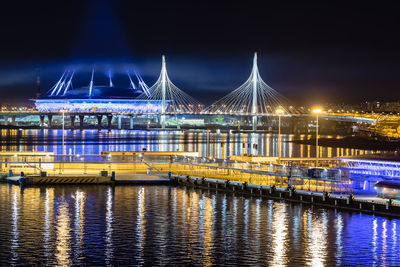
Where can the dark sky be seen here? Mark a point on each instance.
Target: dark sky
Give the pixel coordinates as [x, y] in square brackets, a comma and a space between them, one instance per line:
[308, 51]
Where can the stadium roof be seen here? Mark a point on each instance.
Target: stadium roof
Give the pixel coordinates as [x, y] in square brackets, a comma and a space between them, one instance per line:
[98, 92]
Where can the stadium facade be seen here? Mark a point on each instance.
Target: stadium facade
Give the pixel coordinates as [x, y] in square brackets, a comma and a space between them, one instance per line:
[135, 98]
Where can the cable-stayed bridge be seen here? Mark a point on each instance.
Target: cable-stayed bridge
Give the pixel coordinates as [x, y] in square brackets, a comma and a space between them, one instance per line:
[251, 102]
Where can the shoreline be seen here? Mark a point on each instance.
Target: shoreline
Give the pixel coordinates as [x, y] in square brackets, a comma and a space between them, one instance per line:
[353, 142]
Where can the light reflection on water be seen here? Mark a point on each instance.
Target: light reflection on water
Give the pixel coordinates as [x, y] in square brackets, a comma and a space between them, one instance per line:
[14, 223]
[109, 228]
[63, 254]
[207, 144]
[143, 225]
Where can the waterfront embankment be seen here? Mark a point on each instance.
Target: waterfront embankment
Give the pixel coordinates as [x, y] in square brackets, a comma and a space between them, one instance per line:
[383, 207]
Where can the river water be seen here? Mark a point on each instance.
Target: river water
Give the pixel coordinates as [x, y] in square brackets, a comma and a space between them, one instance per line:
[162, 225]
[207, 144]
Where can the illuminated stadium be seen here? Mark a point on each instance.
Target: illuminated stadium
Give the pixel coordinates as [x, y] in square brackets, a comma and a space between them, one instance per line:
[108, 98]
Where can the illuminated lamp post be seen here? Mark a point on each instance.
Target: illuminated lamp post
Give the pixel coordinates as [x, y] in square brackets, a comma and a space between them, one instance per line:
[63, 130]
[316, 111]
[279, 111]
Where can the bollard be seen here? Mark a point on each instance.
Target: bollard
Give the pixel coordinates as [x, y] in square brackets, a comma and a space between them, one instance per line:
[10, 173]
[373, 207]
[335, 202]
[292, 190]
[169, 176]
[272, 189]
[325, 196]
[389, 203]
[301, 198]
[360, 206]
[312, 199]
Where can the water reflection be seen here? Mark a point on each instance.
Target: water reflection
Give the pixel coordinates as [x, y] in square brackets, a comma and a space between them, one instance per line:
[374, 242]
[207, 144]
[63, 235]
[339, 231]
[394, 238]
[279, 236]
[384, 245]
[208, 228]
[14, 223]
[109, 227]
[316, 246]
[48, 211]
[141, 223]
[102, 225]
[79, 222]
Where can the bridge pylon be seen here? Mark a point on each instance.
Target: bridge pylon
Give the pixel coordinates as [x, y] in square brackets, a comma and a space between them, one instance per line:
[253, 98]
[172, 99]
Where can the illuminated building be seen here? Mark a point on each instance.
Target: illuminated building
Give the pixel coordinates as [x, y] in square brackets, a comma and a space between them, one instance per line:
[366, 173]
[105, 98]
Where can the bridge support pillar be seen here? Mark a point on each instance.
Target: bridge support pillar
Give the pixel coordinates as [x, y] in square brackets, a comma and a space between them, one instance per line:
[72, 117]
[99, 118]
[50, 119]
[294, 125]
[13, 121]
[119, 122]
[41, 117]
[5, 120]
[109, 121]
[81, 119]
[306, 122]
[254, 122]
[131, 122]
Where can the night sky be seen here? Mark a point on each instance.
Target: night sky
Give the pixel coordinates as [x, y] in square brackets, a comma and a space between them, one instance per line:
[311, 52]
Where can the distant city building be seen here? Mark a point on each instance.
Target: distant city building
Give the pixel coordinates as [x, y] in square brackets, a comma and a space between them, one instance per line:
[381, 107]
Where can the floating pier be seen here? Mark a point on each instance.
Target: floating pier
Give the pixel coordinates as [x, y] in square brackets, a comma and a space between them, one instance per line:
[103, 178]
[58, 179]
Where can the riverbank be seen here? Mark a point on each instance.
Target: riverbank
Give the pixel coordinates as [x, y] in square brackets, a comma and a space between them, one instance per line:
[353, 142]
[346, 202]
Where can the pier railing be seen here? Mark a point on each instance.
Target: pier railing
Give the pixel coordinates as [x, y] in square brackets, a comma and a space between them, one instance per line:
[282, 175]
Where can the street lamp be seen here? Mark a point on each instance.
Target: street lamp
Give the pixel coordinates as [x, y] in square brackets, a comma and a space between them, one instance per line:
[63, 130]
[316, 111]
[279, 111]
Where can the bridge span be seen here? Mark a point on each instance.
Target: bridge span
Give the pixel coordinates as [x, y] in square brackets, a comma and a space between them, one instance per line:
[296, 123]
